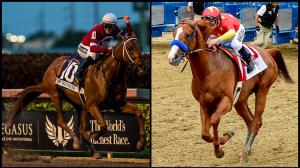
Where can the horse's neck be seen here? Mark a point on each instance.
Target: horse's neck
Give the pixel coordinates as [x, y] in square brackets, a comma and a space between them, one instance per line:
[199, 60]
[111, 69]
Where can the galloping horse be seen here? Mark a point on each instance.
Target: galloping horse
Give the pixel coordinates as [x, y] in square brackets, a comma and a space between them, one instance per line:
[105, 87]
[215, 76]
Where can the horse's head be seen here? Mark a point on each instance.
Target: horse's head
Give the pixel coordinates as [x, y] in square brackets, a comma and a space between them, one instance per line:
[128, 50]
[187, 37]
[184, 41]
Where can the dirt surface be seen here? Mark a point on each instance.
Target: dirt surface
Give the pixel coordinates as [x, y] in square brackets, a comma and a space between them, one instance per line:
[47, 161]
[176, 124]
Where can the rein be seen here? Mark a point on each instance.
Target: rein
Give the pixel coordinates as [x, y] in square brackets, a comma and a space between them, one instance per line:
[124, 49]
[192, 52]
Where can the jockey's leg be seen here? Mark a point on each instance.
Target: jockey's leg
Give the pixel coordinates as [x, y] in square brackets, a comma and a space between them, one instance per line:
[84, 63]
[247, 57]
[237, 45]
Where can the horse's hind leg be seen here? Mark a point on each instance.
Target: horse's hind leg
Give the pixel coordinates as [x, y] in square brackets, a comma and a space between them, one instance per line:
[57, 103]
[260, 103]
[222, 108]
[132, 109]
[23, 100]
[86, 135]
[244, 111]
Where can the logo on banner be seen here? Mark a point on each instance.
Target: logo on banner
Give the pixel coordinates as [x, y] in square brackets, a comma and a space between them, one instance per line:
[57, 134]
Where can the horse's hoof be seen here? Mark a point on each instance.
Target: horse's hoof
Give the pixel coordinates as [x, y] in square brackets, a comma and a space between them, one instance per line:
[76, 145]
[245, 158]
[96, 136]
[229, 134]
[219, 154]
[97, 155]
[140, 146]
[247, 151]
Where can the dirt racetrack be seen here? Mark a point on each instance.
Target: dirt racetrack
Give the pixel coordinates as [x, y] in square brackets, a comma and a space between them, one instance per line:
[47, 161]
[176, 124]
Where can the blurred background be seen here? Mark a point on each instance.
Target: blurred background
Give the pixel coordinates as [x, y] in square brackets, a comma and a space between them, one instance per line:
[60, 26]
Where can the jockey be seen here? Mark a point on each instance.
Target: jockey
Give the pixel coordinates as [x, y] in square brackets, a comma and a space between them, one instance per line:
[226, 27]
[90, 50]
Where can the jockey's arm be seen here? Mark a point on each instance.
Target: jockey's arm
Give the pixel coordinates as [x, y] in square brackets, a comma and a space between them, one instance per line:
[129, 30]
[97, 49]
[228, 35]
[94, 46]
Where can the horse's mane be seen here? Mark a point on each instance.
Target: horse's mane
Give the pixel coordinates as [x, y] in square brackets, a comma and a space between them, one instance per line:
[204, 28]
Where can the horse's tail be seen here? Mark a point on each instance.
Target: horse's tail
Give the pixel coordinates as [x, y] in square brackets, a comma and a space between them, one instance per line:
[24, 97]
[283, 72]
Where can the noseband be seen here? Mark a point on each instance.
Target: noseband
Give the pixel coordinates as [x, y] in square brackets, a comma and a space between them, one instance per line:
[124, 49]
[185, 48]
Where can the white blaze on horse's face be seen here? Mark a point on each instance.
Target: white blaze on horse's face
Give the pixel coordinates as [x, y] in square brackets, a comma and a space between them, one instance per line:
[175, 50]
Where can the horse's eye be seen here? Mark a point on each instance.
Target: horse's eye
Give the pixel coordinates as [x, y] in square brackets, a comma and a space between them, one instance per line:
[130, 48]
[187, 36]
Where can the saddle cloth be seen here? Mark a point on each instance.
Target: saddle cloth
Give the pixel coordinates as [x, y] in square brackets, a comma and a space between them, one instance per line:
[259, 66]
[65, 77]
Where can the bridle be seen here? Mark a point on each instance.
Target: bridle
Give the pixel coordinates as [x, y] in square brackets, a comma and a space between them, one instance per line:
[186, 48]
[124, 49]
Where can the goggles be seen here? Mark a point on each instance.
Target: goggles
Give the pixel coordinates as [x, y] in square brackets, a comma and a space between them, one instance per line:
[208, 17]
[106, 25]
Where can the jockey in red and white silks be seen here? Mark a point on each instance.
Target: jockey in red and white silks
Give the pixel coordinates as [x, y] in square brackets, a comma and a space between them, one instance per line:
[89, 48]
[227, 27]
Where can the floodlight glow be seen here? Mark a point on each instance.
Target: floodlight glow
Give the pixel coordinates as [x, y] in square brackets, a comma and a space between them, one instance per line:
[21, 39]
[13, 38]
[7, 36]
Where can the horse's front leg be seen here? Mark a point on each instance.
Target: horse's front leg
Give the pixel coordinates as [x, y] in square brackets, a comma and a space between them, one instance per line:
[132, 109]
[86, 134]
[96, 114]
[222, 108]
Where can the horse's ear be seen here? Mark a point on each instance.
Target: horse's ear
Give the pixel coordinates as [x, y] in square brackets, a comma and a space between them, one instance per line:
[122, 37]
[171, 29]
[133, 34]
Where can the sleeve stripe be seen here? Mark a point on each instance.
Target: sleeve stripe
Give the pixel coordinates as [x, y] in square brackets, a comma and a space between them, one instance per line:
[93, 44]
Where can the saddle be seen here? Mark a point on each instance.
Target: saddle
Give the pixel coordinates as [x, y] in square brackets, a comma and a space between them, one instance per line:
[259, 64]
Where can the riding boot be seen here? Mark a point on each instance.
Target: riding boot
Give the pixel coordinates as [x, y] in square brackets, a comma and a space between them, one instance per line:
[84, 63]
[247, 58]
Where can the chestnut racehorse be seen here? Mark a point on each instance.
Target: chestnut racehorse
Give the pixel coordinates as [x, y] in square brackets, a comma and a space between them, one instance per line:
[105, 87]
[215, 76]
